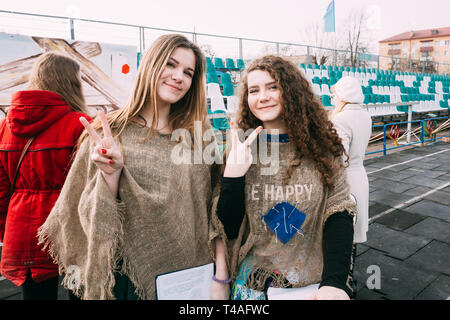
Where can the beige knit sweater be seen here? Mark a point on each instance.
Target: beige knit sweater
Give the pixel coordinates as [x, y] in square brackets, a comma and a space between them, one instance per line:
[160, 224]
[300, 260]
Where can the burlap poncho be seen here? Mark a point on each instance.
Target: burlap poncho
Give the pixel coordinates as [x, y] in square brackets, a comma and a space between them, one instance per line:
[300, 260]
[159, 225]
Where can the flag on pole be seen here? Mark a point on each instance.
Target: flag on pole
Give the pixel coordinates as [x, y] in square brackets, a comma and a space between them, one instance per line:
[329, 18]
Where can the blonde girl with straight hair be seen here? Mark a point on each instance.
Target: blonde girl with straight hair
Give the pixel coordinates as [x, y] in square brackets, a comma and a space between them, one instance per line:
[128, 212]
[143, 101]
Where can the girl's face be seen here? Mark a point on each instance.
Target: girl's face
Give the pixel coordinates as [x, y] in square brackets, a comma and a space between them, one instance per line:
[264, 99]
[176, 78]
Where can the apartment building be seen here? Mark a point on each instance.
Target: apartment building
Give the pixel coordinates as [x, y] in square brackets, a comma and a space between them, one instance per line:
[417, 51]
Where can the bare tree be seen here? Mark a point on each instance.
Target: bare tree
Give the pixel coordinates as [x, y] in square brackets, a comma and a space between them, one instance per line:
[315, 37]
[357, 35]
[208, 50]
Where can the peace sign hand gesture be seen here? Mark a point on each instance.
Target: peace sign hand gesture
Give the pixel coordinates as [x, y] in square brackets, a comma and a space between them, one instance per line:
[106, 153]
[240, 156]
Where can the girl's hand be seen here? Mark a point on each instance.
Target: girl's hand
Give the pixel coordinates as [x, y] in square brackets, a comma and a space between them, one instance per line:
[240, 156]
[329, 293]
[106, 153]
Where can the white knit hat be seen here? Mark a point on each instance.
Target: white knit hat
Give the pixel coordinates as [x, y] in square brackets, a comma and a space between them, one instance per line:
[348, 89]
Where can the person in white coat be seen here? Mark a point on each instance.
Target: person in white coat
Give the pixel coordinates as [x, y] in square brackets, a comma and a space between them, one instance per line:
[354, 127]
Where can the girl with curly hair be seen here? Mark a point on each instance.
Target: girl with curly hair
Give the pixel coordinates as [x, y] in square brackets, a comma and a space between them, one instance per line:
[293, 227]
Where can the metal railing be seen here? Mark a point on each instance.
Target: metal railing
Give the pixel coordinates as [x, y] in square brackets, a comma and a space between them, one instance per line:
[223, 46]
[427, 127]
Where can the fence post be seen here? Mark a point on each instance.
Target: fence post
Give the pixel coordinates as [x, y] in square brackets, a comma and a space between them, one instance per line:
[278, 48]
[408, 128]
[141, 39]
[72, 29]
[308, 58]
[422, 138]
[384, 139]
[241, 54]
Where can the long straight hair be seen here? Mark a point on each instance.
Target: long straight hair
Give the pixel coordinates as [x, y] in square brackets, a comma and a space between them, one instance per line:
[60, 74]
[184, 113]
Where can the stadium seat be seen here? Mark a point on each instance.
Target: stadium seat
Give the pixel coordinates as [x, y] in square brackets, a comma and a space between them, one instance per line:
[220, 123]
[211, 77]
[217, 103]
[316, 89]
[325, 89]
[226, 78]
[228, 89]
[240, 64]
[210, 66]
[232, 104]
[444, 104]
[326, 101]
[230, 64]
[213, 90]
[218, 63]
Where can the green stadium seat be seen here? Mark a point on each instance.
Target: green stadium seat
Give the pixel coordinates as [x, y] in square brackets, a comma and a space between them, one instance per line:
[210, 66]
[211, 77]
[326, 101]
[220, 123]
[240, 64]
[444, 104]
[218, 63]
[228, 89]
[225, 78]
[230, 64]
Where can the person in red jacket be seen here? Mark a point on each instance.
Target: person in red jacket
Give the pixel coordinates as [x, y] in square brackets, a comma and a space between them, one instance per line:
[48, 110]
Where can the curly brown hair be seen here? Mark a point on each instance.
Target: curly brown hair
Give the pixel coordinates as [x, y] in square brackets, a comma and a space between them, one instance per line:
[306, 119]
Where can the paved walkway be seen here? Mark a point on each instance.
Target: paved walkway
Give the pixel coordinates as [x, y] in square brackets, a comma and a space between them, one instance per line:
[407, 255]
[409, 232]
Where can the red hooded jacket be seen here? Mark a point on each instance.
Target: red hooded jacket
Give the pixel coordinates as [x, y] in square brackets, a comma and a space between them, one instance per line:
[47, 116]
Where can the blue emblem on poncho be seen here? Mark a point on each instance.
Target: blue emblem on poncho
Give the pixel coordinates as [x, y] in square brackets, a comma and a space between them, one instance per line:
[285, 220]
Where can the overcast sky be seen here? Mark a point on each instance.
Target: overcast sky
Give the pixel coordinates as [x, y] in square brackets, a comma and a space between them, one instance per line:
[278, 20]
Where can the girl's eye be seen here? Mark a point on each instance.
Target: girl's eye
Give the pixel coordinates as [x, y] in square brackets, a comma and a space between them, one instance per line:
[274, 87]
[190, 75]
[170, 64]
[252, 91]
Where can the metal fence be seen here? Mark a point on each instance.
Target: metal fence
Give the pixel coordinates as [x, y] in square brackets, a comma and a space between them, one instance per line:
[425, 132]
[214, 45]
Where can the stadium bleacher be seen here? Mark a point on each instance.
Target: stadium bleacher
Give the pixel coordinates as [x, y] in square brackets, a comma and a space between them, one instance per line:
[383, 88]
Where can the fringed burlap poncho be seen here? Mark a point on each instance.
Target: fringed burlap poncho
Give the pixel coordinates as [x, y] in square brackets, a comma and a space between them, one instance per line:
[159, 225]
[300, 260]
